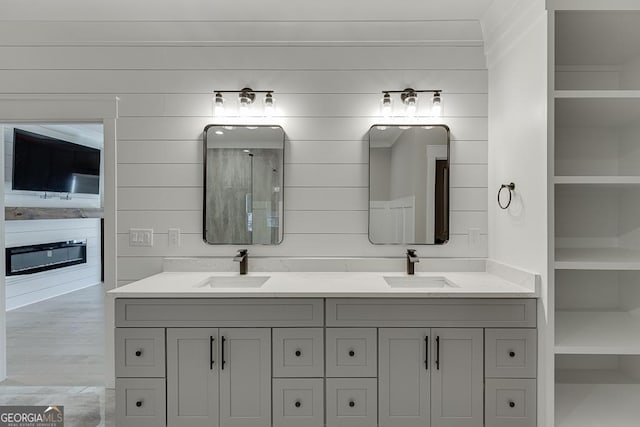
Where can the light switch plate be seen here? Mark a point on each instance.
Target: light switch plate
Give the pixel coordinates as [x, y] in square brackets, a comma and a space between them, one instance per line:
[141, 237]
[174, 237]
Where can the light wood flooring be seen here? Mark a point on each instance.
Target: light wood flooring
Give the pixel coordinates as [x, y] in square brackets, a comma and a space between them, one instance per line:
[55, 354]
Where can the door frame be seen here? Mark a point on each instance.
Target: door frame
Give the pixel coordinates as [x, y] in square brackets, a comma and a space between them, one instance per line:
[57, 108]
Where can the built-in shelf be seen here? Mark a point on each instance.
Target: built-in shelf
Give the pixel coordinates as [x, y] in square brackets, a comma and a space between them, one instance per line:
[28, 213]
[597, 259]
[581, 405]
[597, 332]
[597, 94]
[597, 112]
[597, 180]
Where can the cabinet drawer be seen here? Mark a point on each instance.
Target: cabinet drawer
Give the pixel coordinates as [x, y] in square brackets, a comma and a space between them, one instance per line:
[298, 352]
[510, 353]
[510, 403]
[140, 352]
[216, 312]
[430, 312]
[140, 402]
[352, 352]
[352, 402]
[298, 402]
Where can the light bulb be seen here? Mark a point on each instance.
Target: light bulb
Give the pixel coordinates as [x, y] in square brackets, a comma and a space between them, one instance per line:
[436, 109]
[245, 98]
[218, 105]
[410, 99]
[269, 105]
[386, 105]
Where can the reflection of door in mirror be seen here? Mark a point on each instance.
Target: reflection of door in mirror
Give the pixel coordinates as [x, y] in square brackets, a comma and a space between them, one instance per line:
[243, 182]
[408, 184]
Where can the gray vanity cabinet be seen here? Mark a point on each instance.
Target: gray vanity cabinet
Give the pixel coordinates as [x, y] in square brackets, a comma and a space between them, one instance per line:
[192, 377]
[430, 377]
[457, 388]
[218, 377]
[245, 377]
[404, 377]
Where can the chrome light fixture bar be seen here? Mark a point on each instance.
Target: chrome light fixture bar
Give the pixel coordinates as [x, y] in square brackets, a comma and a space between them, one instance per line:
[409, 98]
[246, 97]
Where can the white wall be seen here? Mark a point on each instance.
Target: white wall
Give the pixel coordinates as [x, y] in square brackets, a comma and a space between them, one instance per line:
[327, 83]
[516, 37]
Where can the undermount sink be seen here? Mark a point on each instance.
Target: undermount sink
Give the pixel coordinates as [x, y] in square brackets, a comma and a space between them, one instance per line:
[418, 282]
[233, 282]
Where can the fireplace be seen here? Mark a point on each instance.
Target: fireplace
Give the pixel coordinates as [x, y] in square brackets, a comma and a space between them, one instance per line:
[47, 256]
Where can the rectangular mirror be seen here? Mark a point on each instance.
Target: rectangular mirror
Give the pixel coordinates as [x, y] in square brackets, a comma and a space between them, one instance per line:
[243, 181]
[409, 184]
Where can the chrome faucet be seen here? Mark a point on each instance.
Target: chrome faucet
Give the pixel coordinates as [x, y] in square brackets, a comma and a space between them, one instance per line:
[243, 258]
[412, 258]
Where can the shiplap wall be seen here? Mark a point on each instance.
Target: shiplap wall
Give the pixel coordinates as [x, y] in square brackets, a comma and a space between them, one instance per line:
[328, 96]
[31, 288]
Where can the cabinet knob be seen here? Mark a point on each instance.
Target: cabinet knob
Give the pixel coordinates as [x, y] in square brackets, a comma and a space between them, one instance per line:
[352, 353]
[298, 353]
[512, 404]
[298, 404]
[139, 403]
[352, 403]
[138, 353]
[512, 354]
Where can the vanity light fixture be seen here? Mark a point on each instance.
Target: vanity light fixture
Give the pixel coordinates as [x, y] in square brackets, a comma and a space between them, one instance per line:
[409, 98]
[246, 99]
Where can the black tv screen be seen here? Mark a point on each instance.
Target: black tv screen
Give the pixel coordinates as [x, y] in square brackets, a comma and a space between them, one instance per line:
[42, 163]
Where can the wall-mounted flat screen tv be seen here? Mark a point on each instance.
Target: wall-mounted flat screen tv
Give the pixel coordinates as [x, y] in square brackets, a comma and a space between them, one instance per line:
[42, 163]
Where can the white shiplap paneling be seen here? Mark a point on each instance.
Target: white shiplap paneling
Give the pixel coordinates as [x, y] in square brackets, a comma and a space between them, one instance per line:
[327, 99]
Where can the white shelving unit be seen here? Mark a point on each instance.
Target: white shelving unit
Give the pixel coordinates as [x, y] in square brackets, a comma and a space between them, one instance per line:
[596, 145]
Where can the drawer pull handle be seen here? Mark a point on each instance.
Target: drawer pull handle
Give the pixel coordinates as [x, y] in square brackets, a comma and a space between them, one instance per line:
[512, 404]
[298, 404]
[438, 353]
[298, 353]
[352, 403]
[512, 354]
[138, 353]
[139, 403]
[352, 353]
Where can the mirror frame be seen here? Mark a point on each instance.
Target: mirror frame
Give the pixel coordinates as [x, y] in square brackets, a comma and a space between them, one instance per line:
[448, 198]
[204, 183]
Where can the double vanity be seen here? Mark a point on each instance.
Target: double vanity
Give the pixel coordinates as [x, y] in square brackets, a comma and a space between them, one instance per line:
[335, 349]
[309, 349]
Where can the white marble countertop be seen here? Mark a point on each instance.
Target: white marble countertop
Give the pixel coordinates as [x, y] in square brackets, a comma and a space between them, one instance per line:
[323, 285]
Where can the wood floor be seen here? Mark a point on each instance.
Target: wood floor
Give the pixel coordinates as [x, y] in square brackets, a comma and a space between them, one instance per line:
[55, 354]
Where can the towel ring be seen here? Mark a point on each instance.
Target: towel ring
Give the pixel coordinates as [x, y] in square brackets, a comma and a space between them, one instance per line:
[511, 187]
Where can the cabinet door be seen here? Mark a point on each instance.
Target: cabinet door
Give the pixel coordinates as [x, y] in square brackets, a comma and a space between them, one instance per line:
[192, 377]
[245, 377]
[456, 378]
[403, 377]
